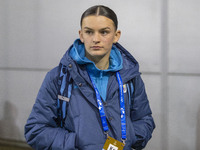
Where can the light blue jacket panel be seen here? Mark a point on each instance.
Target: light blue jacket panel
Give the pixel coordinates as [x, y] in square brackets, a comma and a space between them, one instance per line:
[100, 77]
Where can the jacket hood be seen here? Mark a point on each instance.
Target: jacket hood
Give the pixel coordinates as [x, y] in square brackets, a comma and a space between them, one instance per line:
[130, 65]
[77, 53]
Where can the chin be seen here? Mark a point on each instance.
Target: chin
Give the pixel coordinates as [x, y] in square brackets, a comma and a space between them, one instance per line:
[98, 55]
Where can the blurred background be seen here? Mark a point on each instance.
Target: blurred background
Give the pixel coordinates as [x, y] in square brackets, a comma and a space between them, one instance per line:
[163, 35]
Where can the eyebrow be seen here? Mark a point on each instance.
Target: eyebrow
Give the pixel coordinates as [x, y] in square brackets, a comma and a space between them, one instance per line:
[87, 28]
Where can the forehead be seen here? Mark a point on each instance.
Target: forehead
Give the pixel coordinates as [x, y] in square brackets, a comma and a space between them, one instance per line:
[97, 22]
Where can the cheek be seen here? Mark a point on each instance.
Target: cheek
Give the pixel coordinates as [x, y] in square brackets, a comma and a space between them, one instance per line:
[87, 45]
[109, 38]
[108, 41]
[86, 41]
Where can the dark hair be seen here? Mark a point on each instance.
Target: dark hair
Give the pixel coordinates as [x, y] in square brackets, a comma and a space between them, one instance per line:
[100, 10]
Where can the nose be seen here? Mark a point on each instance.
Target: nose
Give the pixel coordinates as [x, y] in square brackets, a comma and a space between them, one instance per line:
[96, 38]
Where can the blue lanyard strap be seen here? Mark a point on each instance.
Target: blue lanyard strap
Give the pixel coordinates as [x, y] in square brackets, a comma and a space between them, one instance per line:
[122, 107]
[100, 106]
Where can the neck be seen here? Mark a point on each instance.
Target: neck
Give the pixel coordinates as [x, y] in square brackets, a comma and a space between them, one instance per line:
[102, 65]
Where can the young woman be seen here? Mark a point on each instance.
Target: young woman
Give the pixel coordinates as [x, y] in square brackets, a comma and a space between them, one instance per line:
[95, 99]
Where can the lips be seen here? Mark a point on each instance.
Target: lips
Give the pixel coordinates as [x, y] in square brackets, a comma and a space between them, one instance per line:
[96, 47]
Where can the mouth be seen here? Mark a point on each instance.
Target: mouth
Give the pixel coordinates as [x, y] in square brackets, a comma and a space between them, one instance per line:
[96, 47]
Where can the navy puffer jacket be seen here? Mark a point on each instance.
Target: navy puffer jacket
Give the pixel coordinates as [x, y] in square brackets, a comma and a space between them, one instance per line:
[82, 128]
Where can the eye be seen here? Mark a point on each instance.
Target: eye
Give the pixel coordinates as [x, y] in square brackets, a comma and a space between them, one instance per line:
[89, 32]
[104, 32]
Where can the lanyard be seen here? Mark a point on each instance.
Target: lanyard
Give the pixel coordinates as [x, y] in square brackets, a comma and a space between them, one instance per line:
[122, 107]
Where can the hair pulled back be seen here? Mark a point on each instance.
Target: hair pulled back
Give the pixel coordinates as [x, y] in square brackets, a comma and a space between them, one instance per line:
[100, 10]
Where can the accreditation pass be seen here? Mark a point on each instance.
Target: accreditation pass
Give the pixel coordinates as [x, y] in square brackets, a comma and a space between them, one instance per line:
[112, 144]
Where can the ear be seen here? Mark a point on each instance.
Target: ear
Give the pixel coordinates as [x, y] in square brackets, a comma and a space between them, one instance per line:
[81, 36]
[117, 36]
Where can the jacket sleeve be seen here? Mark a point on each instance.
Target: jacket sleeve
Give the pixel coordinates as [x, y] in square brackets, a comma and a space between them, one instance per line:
[41, 131]
[142, 120]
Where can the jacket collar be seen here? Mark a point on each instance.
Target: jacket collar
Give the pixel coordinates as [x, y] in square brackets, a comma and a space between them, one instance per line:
[80, 76]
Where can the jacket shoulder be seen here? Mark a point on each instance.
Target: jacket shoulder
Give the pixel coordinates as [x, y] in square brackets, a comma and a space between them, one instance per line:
[54, 73]
[51, 78]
